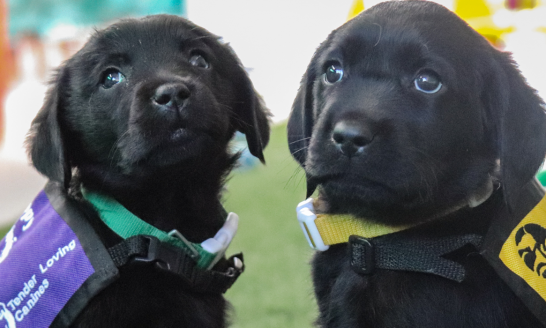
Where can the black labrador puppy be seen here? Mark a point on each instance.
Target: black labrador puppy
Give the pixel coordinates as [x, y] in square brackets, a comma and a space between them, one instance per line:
[410, 119]
[144, 113]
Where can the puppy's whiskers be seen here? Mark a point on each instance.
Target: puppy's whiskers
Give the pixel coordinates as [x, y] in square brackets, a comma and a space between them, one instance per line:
[112, 152]
[427, 173]
[297, 151]
[430, 160]
[293, 142]
[295, 175]
[234, 114]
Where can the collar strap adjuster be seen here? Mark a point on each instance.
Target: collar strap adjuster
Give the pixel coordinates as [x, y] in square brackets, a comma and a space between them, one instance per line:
[193, 253]
[362, 255]
[306, 218]
[146, 250]
[160, 254]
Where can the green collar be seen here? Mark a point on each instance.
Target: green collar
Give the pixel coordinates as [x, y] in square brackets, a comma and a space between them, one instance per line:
[126, 224]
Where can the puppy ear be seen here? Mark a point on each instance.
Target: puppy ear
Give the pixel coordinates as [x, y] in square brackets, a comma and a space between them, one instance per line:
[45, 144]
[252, 114]
[521, 128]
[253, 119]
[301, 120]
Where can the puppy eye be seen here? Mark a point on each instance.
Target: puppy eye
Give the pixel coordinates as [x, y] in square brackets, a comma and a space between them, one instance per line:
[333, 73]
[427, 82]
[112, 77]
[199, 61]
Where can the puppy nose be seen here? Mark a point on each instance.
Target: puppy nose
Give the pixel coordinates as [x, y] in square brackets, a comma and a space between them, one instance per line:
[351, 137]
[170, 95]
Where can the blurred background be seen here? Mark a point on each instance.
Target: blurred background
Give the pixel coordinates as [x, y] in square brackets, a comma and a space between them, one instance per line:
[275, 40]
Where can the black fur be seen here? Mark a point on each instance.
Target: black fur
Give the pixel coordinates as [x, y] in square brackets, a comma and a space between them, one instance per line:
[424, 158]
[164, 161]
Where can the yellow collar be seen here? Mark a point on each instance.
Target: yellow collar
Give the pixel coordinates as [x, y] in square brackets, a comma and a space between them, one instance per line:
[323, 230]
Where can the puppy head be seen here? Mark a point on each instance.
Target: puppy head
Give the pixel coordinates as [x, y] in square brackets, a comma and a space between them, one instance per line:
[405, 112]
[142, 96]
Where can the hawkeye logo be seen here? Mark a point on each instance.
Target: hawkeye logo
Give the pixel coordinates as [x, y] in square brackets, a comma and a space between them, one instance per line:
[524, 252]
[531, 240]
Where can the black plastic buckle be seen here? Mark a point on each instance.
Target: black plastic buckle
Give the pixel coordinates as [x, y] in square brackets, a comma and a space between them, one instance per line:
[362, 255]
[160, 254]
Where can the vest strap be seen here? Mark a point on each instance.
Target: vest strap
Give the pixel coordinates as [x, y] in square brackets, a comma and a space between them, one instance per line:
[149, 250]
[407, 253]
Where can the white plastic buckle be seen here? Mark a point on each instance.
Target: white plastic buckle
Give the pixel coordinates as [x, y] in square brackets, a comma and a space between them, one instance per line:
[220, 242]
[306, 218]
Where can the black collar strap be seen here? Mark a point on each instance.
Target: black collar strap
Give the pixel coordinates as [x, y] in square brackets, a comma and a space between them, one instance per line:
[410, 253]
[149, 250]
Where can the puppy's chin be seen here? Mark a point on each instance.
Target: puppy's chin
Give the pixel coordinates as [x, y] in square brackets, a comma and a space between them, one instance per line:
[164, 170]
[176, 147]
[367, 199]
[173, 158]
[380, 203]
[175, 150]
[384, 204]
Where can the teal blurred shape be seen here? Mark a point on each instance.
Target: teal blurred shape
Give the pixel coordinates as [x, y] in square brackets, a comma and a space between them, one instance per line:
[39, 16]
[541, 176]
[246, 160]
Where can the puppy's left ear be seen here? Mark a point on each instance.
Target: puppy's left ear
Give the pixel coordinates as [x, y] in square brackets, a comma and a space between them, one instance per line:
[252, 115]
[521, 127]
[45, 141]
[254, 120]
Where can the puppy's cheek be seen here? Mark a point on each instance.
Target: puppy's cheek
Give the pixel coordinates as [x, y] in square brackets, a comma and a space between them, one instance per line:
[324, 159]
[94, 131]
[211, 116]
[213, 107]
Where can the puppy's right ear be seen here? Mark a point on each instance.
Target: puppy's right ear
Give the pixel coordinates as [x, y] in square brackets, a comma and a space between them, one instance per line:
[520, 125]
[301, 120]
[45, 143]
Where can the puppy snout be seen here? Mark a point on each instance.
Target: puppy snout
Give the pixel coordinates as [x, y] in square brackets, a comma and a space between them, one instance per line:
[170, 96]
[351, 137]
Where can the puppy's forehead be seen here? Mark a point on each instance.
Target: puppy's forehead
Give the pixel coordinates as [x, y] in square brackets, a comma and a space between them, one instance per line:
[152, 32]
[388, 41]
[404, 33]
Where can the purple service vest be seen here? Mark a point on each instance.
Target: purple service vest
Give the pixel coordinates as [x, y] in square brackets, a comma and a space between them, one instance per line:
[43, 265]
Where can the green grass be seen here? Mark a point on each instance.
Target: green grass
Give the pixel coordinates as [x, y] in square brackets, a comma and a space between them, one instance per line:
[3, 231]
[275, 290]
